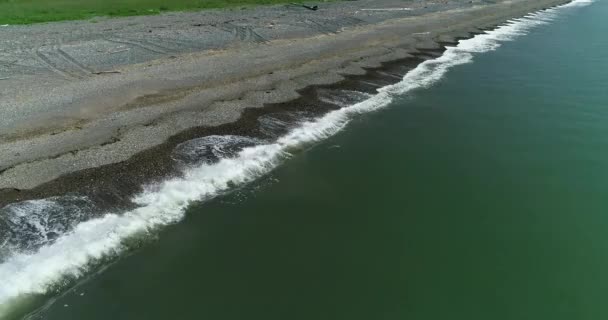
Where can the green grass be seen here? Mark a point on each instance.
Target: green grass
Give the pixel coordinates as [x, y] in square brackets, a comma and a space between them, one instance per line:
[34, 11]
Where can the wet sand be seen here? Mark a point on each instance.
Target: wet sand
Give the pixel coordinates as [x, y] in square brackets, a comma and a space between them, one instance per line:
[68, 126]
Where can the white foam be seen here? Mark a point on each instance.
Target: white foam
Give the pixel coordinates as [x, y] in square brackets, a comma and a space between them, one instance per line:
[578, 3]
[209, 149]
[28, 225]
[71, 254]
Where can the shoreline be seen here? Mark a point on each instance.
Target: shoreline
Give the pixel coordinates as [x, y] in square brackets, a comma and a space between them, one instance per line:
[116, 179]
[76, 252]
[155, 164]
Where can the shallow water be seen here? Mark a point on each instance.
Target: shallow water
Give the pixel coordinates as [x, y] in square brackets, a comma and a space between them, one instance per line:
[476, 191]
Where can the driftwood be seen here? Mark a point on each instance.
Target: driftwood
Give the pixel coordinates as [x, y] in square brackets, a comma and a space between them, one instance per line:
[4, 78]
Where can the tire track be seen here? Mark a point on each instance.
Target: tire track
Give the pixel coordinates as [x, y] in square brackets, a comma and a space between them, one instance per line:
[320, 27]
[136, 44]
[244, 33]
[189, 44]
[333, 26]
[351, 21]
[74, 62]
[256, 37]
[51, 65]
[152, 44]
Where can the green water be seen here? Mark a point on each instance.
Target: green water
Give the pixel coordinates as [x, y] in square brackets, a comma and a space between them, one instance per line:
[483, 197]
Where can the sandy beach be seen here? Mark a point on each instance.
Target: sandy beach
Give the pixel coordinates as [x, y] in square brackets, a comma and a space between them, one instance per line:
[98, 107]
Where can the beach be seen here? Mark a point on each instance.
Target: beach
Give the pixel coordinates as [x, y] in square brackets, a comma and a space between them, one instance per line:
[98, 167]
[82, 98]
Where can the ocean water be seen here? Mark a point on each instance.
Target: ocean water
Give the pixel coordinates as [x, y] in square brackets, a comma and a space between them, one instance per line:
[472, 189]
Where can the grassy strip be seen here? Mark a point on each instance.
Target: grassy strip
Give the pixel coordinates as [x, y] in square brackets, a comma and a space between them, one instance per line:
[34, 11]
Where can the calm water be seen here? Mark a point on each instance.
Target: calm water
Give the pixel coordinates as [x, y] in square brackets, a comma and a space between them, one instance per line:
[482, 197]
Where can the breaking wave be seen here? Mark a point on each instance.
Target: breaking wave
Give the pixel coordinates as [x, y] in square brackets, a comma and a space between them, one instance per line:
[26, 226]
[211, 149]
[59, 250]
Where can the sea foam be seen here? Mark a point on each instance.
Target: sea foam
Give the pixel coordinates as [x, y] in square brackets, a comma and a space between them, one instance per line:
[71, 254]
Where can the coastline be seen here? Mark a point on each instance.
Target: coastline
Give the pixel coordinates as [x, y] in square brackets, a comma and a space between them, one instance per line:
[95, 240]
[127, 178]
[126, 140]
